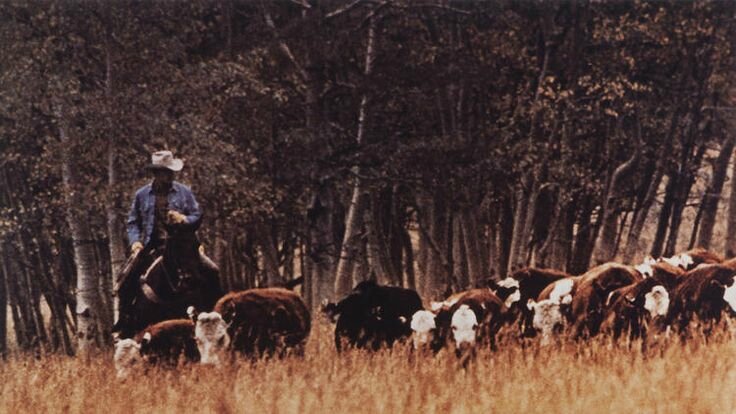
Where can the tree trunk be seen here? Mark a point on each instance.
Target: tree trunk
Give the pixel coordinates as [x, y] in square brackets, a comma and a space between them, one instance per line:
[459, 263]
[580, 258]
[664, 215]
[682, 193]
[3, 304]
[84, 254]
[269, 254]
[730, 247]
[562, 236]
[409, 281]
[434, 233]
[13, 294]
[505, 237]
[322, 243]
[518, 239]
[604, 250]
[355, 211]
[640, 218]
[477, 271]
[713, 195]
[112, 204]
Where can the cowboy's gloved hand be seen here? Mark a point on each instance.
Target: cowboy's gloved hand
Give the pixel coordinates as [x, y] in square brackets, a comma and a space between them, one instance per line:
[136, 247]
[176, 217]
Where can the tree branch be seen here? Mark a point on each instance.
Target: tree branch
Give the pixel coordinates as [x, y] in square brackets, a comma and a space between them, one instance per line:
[282, 44]
[343, 10]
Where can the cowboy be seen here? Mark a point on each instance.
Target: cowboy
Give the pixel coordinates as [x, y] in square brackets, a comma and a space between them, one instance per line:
[157, 206]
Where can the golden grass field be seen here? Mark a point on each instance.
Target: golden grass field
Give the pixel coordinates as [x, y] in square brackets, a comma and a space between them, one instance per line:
[574, 378]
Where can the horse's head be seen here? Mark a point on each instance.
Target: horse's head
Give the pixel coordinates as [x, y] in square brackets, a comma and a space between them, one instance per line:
[181, 256]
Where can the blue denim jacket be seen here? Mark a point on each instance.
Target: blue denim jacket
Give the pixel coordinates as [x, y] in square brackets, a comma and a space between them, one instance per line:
[140, 218]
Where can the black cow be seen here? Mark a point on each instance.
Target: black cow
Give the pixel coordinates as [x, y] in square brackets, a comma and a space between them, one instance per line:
[372, 316]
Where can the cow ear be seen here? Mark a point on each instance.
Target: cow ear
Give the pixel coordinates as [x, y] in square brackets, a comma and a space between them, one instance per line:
[717, 283]
[611, 298]
[192, 312]
[530, 304]
[145, 342]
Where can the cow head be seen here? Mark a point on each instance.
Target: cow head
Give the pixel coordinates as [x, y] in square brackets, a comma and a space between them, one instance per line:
[127, 357]
[645, 268]
[547, 316]
[330, 310]
[562, 291]
[657, 301]
[683, 261]
[423, 327]
[464, 325]
[686, 261]
[213, 340]
[508, 290]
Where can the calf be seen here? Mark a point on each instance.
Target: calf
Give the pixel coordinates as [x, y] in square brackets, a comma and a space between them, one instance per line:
[166, 344]
[372, 316]
[255, 322]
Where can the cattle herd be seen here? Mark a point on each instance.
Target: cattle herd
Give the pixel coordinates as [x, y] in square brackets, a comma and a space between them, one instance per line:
[667, 297]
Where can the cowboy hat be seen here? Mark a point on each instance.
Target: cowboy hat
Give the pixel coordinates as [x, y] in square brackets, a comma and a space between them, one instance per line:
[165, 160]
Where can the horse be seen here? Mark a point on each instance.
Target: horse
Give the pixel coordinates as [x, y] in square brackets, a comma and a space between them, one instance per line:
[178, 278]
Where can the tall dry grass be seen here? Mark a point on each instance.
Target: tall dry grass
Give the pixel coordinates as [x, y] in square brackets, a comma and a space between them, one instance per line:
[573, 378]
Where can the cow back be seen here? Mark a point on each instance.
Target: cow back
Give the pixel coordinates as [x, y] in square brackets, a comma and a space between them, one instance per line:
[264, 319]
[169, 341]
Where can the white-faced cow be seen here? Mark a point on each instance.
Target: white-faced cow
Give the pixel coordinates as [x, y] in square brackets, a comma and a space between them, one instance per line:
[578, 301]
[372, 316]
[166, 344]
[253, 323]
[693, 258]
[522, 285]
[475, 316]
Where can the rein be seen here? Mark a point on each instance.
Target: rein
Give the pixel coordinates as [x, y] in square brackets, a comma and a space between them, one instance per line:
[168, 258]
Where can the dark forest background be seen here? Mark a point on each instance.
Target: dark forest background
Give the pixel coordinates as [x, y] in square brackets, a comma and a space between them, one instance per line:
[430, 143]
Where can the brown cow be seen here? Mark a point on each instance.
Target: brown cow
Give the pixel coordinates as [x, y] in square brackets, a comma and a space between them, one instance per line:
[633, 308]
[254, 322]
[585, 295]
[473, 315]
[703, 295]
[166, 343]
[693, 258]
[476, 317]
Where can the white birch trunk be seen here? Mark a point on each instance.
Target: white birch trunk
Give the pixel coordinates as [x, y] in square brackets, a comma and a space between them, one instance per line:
[84, 253]
[346, 259]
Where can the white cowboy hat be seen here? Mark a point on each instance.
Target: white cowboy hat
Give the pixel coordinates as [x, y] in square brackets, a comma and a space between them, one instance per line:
[165, 159]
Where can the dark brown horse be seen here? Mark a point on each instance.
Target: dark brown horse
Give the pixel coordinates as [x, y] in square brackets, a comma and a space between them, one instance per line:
[170, 282]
